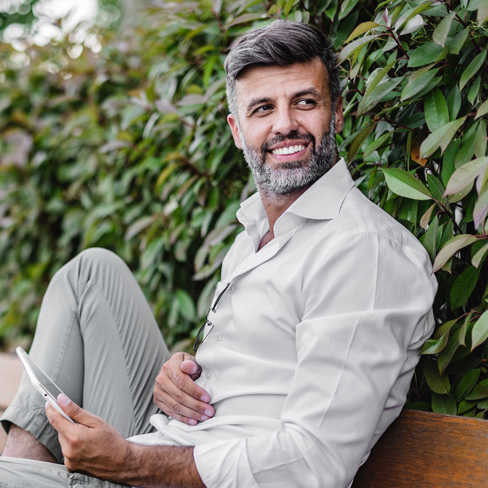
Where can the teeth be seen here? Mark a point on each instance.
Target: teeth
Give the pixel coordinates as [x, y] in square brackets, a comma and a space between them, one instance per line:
[288, 150]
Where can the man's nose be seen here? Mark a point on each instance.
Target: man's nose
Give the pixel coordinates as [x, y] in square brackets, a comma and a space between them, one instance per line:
[284, 121]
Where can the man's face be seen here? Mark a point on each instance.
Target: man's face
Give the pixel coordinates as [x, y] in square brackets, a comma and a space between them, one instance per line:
[286, 125]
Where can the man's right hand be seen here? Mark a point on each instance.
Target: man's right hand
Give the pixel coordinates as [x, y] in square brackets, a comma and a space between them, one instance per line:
[177, 394]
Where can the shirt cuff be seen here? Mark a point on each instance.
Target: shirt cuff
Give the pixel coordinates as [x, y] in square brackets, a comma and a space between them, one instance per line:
[224, 464]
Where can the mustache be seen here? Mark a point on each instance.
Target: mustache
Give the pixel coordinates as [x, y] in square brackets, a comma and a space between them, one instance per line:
[293, 135]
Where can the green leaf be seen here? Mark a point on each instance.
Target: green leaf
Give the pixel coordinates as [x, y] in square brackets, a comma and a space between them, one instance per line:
[466, 384]
[479, 393]
[436, 110]
[447, 353]
[445, 328]
[442, 29]
[454, 101]
[480, 140]
[430, 240]
[376, 144]
[472, 69]
[245, 18]
[433, 346]
[451, 248]
[185, 304]
[438, 383]
[481, 208]
[463, 286]
[464, 406]
[361, 29]
[353, 46]
[404, 18]
[465, 175]
[358, 142]
[377, 79]
[288, 6]
[405, 185]
[474, 90]
[458, 41]
[479, 334]
[418, 85]
[482, 110]
[482, 12]
[480, 256]
[377, 94]
[435, 187]
[464, 329]
[443, 404]
[425, 54]
[441, 137]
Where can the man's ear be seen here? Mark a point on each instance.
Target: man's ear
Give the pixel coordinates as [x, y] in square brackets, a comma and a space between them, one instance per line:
[339, 116]
[234, 127]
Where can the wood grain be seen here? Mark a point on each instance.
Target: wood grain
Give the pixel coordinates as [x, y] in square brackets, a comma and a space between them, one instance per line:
[423, 449]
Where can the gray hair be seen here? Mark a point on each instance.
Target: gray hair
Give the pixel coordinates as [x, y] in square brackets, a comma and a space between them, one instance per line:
[280, 43]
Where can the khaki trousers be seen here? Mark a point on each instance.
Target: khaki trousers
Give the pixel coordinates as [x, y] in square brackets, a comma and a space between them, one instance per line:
[97, 339]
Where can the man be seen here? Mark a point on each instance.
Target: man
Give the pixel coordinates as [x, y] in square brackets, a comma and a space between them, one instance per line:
[309, 345]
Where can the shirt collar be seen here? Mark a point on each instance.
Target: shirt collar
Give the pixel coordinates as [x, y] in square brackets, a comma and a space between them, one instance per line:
[322, 201]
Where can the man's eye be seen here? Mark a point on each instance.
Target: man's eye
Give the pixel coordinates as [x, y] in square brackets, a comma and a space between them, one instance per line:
[306, 102]
[263, 108]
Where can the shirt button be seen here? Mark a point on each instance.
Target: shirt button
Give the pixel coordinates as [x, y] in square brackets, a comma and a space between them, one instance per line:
[218, 337]
[208, 375]
[231, 289]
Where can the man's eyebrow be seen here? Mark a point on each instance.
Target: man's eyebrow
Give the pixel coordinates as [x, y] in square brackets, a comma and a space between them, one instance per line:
[256, 101]
[308, 91]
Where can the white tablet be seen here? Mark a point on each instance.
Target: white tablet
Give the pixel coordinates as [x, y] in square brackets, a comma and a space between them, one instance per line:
[41, 381]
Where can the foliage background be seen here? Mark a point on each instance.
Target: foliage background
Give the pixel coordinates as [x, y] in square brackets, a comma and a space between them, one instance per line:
[128, 148]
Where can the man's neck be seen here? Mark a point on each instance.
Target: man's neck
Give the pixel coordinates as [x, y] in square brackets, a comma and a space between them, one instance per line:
[275, 206]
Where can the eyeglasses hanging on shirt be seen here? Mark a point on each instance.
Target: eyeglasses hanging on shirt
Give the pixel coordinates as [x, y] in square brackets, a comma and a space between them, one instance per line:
[208, 326]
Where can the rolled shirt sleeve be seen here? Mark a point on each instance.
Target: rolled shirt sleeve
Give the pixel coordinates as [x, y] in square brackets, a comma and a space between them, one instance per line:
[366, 313]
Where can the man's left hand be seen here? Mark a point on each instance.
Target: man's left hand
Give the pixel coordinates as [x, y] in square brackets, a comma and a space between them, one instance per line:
[90, 446]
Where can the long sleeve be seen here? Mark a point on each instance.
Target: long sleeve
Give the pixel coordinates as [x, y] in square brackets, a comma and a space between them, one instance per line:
[366, 311]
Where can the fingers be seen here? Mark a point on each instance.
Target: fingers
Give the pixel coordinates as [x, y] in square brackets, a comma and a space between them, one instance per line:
[76, 413]
[176, 393]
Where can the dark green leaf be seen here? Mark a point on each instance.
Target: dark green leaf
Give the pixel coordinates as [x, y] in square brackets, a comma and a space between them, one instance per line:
[425, 54]
[458, 41]
[479, 393]
[472, 69]
[436, 111]
[463, 286]
[430, 240]
[444, 404]
[447, 353]
[466, 384]
[438, 383]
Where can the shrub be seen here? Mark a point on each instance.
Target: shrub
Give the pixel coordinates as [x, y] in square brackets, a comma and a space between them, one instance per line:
[417, 143]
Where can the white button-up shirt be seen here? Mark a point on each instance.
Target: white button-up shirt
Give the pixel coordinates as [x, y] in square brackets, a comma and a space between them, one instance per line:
[313, 344]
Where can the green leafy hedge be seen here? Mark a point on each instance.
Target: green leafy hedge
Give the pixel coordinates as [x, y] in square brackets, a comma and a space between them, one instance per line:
[129, 149]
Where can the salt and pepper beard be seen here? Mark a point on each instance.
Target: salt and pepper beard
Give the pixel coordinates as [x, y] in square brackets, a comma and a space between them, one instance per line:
[292, 176]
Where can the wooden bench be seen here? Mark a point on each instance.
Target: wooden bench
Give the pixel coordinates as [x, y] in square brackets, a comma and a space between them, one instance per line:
[428, 450]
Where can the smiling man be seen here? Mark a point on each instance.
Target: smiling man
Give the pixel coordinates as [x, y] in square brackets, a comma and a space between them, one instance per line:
[310, 342]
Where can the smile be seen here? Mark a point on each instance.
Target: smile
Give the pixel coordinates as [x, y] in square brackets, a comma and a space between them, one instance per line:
[288, 150]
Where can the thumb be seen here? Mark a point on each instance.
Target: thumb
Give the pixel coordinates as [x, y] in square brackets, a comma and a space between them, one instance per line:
[74, 411]
[191, 368]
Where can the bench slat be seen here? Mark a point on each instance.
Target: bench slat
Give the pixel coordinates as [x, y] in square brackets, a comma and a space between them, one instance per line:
[422, 449]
